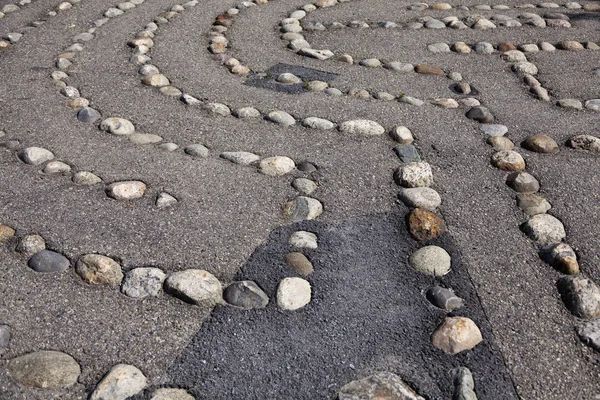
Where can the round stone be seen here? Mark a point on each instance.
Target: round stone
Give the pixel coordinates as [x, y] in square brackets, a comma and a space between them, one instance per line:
[48, 261]
[276, 166]
[35, 155]
[480, 114]
[532, 204]
[425, 225]
[361, 127]
[304, 186]
[562, 257]
[96, 269]
[438, 48]
[461, 47]
[494, 129]
[6, 233]
[412, 175]
[303, 239]
[544, 228]
[45, 369]
[585, 142]
[525, 67]
[370, 63]
[70, 92]
[399, 67]
[197, 150]
[117, 126]
[246, 295]
[288, 79]
[195, 286]
[317, 123]
[293, 293]
[281, 117]
[31, 244]
[540, 144]
[240, 157]
[593, 104]
[573, 104]
[85, 178]
[420, 197]
[156, 80]
[581, 296]
[570, 45]
[126, 190]
[247, 112]
[456, 334]
[299, 263]
[88, 115]
[302, 208]
[523, 182]
[508, 160]
[402, 134]
[140, 283]
[431, 260]
[120, 383]
[484, 48]
[514, 56]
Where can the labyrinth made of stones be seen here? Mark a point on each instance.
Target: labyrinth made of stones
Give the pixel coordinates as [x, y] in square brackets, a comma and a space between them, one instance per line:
[275, 199]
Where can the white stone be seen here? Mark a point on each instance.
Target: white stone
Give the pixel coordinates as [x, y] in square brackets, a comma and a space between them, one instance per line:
[126, 190]
[276, 166]
[293, 293]
[120, 383]
[195, 286]
[303, 239]
[35, 155]
[362, 127]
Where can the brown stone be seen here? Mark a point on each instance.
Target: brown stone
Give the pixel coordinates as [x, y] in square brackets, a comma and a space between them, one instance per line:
[96, 269]
[425, 225]
[540, 144]
[570, 45]
[500, 143]
[6, 233]
[591, 7]
[502, 47]
[456, 334]
[299, 263]
[224, 20]
[562, 257]
[429, 70]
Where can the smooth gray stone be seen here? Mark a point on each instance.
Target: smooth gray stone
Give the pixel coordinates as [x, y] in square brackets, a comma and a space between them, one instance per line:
[444, 298]
[88, 114]
[245, 294]
[48, 261]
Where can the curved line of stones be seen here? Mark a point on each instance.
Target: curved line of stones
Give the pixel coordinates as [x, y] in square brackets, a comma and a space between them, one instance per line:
[544, 229]
[11, 38]
[123, 127]
[496, 7]
[9, 9]
[412, 174]
[559, 255]
[290, 28]
[474, 22]
[409, 170]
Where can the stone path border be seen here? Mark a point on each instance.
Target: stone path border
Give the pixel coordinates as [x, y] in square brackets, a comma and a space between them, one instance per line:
[11, 38]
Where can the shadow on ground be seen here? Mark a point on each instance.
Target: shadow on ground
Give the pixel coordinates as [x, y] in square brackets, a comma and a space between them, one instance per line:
[368, 314]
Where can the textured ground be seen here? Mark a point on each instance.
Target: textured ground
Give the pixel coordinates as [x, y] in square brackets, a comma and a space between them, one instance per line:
[367, 309]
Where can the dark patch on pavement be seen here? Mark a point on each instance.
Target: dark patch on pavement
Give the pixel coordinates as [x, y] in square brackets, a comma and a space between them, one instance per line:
[368, 314]
[267, 81]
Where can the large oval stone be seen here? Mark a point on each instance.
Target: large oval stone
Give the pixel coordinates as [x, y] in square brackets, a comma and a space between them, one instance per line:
[45, 369]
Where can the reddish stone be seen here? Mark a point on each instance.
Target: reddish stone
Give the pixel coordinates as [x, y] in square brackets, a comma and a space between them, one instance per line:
[429, 70]
[224, 19]
[502, 47]
[425, 225]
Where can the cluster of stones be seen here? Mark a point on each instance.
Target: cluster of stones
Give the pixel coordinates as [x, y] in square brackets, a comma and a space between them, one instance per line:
[520, 65]
[11, 38]
[489, 48]
[44, 158]
[488, 7]
[474, 21]
[579, 293]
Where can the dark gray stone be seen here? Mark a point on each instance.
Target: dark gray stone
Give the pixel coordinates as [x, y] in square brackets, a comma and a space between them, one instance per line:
[444, 298]
[306, 166]
[48, 261]
[464, 386]
[522, 182]
[88, 115]
[407, 153]
[245, 294]
[480, 114]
